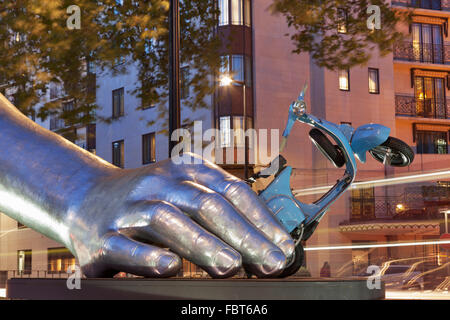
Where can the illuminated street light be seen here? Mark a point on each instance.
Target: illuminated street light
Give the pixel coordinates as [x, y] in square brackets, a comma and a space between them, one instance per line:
[225, 81]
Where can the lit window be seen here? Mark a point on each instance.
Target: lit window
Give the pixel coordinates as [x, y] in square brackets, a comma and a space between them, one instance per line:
[236, 67]
[238, 129]
[118, 154]
[148, 148]
[342, 21]
[344, 80]
[225, 132]
[237, 17]
[223, 7]
[24, 261]
[235, 12]
[60, 260]
[374, 85]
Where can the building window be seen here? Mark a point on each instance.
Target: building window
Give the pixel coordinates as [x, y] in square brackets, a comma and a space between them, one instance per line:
[432, 142]
[68, 106]
[224, 12]
[363, 204]
[238, 130]
[148, 148]
[342, 20]
[374, 82]
[235, 12]
[430, 97]
[427, 42]
[118, 102]
[225, 132]
[60, 260]
[184, 88]
[118, 153]
[90, 67]
[427, 4]
[24, 261]
[344, 80]
[238, 67]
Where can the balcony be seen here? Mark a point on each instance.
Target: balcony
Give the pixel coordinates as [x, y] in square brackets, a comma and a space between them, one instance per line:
[423, 4]
[424, 108]
[422, 52]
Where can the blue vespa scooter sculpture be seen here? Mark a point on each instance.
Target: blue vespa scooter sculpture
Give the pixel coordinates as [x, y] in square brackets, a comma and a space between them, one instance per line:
[301, 219]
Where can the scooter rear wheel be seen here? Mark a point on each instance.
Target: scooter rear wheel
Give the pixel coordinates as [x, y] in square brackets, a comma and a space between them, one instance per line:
[393, 152]
[296, 264]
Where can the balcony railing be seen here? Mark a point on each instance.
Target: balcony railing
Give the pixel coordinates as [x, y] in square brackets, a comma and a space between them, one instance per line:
[424, 108]
[422, 52]
[423, 4]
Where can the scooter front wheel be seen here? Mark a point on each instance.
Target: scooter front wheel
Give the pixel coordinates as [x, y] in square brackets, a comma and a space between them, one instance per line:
[328, 149]
[295, 264]
[393, 152]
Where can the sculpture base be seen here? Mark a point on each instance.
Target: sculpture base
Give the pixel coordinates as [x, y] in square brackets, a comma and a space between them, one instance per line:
[198, 289]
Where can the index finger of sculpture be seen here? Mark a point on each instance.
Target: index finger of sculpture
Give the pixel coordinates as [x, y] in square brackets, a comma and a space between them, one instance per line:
[164, 224]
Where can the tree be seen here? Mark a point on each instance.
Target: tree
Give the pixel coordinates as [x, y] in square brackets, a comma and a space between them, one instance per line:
[335, 32]
[38, 49]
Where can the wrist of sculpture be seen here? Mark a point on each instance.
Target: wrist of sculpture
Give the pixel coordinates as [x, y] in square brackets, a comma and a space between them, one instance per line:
[43, 177]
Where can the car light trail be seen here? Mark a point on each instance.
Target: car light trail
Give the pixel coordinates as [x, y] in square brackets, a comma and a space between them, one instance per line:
[382, 245]
[379, 182]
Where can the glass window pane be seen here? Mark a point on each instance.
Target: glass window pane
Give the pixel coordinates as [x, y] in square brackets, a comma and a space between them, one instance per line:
[430, 142]
[238, 67]
[148, 148]
[236, 12]
[344, 80]
[118, 154]
[342, 21]
[224, 12]
[224, 69]
[373, 81]
[225, 132]
[118, 102]
[248, 13]
[238, 129]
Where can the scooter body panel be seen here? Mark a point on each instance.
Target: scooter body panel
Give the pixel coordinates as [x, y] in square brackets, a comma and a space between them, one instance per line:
[278, 197]
[368, 137]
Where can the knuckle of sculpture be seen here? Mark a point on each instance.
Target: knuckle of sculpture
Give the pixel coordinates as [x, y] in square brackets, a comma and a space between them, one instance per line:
[236, 186]
[161, 212]
[206, 200]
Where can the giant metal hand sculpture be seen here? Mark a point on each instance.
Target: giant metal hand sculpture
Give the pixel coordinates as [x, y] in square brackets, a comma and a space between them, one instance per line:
[138, 221]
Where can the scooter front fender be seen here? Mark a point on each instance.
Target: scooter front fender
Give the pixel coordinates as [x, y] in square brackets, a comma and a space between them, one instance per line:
[368, 137]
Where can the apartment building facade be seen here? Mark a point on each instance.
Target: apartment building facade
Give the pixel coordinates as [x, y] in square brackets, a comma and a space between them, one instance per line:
[405, 90]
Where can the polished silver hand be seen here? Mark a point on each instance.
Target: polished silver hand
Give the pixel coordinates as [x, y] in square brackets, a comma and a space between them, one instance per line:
[139, 221]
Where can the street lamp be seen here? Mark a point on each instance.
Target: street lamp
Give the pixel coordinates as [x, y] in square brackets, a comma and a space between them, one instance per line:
[174, 71]
[226, 81]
